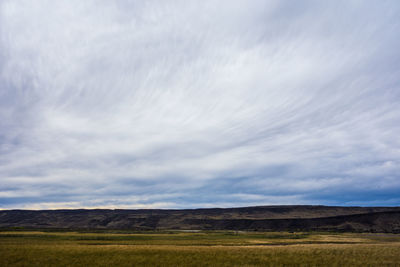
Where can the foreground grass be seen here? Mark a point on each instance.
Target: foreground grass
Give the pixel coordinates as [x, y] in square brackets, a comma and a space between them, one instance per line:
[198, 249]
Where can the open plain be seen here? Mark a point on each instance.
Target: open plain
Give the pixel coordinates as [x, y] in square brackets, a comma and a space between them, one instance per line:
[205, 248]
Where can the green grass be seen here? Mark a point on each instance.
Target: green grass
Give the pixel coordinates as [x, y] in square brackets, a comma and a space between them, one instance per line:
[34, 248]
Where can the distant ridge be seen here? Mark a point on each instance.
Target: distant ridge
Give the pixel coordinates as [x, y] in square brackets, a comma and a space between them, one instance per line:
[259, 218]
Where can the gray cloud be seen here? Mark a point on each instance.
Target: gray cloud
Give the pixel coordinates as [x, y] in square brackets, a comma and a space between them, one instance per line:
[188, 103]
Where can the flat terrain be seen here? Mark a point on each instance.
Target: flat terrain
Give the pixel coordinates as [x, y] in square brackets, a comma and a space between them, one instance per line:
[208, 248]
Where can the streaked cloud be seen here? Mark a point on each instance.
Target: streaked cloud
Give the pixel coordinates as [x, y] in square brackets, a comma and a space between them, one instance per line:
[176, 104]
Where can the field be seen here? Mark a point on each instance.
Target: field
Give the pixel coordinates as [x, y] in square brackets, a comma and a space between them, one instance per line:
[215, 248]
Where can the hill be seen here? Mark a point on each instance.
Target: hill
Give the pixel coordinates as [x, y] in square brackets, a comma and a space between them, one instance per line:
[261, 218]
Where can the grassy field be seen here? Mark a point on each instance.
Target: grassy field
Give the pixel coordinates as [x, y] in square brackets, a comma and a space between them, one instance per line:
[34, 248]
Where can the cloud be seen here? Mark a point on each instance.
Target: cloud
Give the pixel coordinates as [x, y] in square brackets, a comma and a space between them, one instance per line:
[191, 104]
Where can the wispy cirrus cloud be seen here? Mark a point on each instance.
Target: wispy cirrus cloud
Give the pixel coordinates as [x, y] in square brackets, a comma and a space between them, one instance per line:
[190, 104]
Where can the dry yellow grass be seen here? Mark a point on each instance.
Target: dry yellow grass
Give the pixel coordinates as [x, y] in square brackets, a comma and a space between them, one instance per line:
[198, 249]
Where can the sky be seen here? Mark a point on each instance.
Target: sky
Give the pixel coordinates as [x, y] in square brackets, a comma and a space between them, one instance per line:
[190, 104]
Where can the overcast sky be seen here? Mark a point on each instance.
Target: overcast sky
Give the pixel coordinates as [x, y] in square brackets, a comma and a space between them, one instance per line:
[181, 104]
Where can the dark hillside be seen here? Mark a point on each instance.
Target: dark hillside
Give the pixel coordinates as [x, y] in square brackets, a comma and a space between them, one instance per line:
[265, 218]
